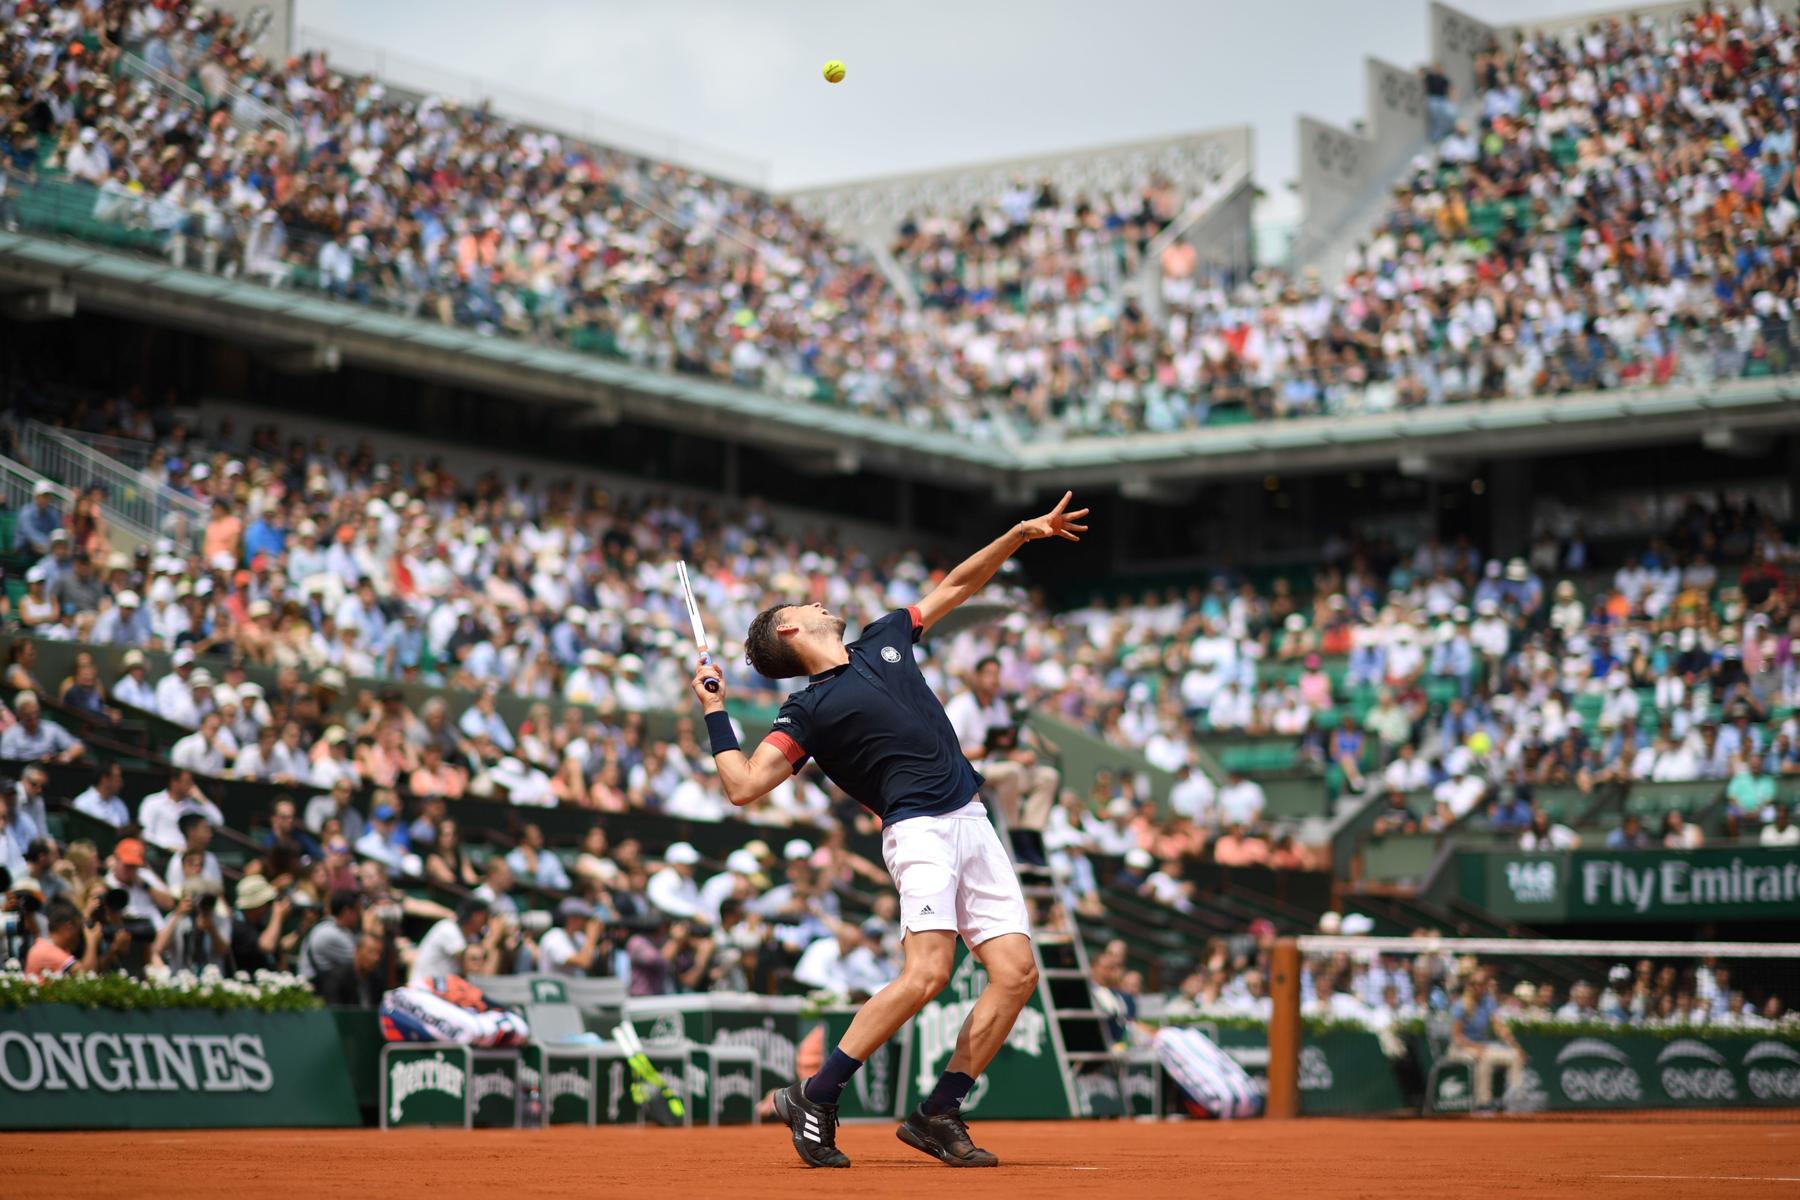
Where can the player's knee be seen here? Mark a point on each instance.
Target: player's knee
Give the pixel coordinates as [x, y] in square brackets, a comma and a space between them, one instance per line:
[1016, 979]
[924, 982]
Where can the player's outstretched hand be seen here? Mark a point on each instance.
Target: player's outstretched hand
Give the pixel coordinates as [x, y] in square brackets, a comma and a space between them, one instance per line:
[711, 701]
[1058, 522]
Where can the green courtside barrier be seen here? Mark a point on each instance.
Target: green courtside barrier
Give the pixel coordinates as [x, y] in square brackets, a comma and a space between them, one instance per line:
[1343, 1070]
[65, 1067]
[1607, 1068]
[767, 1025]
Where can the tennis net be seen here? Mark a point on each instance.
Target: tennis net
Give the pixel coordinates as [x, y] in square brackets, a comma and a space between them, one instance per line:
[1513, 1026]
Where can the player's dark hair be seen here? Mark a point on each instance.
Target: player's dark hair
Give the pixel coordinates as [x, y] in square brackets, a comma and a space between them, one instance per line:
[767, 651]
[985, 659]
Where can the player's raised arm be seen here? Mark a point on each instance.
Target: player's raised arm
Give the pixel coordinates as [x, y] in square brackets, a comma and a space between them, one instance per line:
[747, 778]
[973, 573]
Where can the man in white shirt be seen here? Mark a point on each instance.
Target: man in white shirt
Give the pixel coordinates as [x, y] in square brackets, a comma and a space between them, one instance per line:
[1023, 788]
[672, 889]
[1230, 708]
[1241, 801]
[524, 784]
[102, 801]
[441, 950]
[1193, 796]
[1781, 831]
[1111, 835]
[849, 963]
[146, 897]
[569, 947]
[204, 752]
[1408, 772]
[175, 700]
[132, 688]
[698, 798]
[160, 813]
[1460, 794]
[741, 869]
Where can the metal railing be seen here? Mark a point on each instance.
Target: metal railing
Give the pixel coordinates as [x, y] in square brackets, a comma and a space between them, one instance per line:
[152, 510]
[18, 487]
[246, 111]
[401, 71]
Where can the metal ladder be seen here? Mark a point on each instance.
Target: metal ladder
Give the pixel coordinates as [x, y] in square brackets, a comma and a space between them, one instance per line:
[1089, 1066]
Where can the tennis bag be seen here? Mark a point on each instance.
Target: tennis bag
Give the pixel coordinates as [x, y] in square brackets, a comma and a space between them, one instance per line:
[449, 1010]
[1211, 1082]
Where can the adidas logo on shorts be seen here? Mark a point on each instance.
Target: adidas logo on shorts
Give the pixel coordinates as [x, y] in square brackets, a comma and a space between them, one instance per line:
[926, 911]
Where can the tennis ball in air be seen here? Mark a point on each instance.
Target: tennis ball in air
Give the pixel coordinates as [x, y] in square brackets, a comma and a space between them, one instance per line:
[834, 71]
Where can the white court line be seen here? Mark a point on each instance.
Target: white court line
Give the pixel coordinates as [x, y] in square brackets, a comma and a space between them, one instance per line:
[1715, 1178]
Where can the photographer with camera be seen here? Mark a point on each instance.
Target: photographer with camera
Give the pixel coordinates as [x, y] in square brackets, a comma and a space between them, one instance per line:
[98, 945]
[260, 928]
[146, 898]
[193, 939]
[1009, 756]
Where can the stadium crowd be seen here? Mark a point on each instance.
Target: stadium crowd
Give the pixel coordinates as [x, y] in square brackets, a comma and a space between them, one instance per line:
[1614, 212]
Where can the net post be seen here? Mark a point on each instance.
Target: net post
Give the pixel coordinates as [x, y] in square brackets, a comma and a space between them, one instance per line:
[1284, 1031]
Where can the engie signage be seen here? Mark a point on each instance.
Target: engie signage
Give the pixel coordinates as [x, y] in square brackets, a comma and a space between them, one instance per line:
[1629, 1069]
[1654, 885]
[63, 1067]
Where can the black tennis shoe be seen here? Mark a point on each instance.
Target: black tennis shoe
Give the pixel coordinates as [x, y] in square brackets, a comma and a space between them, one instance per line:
[814, 1127]
[946, 1138]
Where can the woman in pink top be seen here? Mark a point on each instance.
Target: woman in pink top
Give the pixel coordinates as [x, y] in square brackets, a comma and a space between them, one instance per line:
[1315, 685]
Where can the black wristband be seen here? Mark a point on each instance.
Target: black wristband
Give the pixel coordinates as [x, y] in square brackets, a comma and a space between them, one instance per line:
[718, 728]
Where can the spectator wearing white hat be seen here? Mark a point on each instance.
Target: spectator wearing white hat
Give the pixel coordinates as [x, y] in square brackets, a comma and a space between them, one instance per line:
[37, 612]
[122, 623]
[672, 889]
[331, 762]
[132, 688]
[38, 523]
[173, 695]
[741, 879]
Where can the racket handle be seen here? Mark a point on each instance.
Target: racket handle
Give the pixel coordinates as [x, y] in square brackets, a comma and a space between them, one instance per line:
[711, 685]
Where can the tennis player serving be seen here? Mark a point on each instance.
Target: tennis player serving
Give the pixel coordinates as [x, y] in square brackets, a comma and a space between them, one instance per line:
[869, 718]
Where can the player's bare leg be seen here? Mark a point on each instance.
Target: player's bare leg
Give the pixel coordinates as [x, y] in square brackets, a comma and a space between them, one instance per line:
[930, 954]
[1012, 980]
[810, 1107]
[936, 1126]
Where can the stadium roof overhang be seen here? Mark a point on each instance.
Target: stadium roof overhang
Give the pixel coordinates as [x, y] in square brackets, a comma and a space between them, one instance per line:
[156, 291]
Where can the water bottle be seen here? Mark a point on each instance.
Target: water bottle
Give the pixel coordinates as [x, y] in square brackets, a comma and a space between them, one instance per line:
[534, 1109]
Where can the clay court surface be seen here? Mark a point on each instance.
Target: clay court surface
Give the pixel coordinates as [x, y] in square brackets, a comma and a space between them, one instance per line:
[1305, 1158]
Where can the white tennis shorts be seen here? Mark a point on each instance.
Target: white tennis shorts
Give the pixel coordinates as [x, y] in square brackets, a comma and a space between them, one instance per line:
[953, 873]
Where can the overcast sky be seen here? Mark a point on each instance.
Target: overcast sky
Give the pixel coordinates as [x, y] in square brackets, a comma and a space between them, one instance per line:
[931, 82]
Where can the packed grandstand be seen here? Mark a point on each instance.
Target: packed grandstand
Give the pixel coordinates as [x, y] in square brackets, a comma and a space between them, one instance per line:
[353, 683]
[1611, 210]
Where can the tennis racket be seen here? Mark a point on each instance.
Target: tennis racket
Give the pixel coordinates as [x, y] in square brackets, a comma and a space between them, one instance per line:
[659, 1101]
[693, 611]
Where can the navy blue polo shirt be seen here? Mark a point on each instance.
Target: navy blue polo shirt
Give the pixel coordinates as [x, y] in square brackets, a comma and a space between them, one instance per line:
[877, 728]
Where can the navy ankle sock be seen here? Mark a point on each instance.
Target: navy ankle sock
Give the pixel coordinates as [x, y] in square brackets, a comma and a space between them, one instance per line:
[828, 1084]
[948, 1095]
